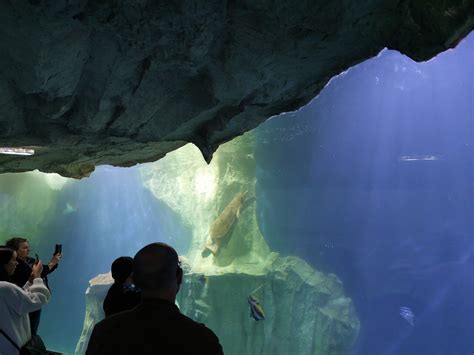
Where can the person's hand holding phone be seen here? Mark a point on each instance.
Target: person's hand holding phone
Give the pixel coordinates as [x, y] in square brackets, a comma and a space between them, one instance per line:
[58, 249]
[57, 256]
[36, 271]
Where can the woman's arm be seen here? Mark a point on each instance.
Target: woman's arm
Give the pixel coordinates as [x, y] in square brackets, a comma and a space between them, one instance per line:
[29, 299]
[52, 265]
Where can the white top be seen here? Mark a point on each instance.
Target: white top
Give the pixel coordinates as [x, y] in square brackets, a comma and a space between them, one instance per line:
[15, 304]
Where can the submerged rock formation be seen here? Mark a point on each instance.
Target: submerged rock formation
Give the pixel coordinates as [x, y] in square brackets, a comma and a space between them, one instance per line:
[95, 295]
[306, 311]
[199, 193]
[120, 82]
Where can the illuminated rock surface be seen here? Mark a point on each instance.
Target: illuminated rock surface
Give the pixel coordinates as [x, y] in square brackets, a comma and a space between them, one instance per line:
[86, 83]
[199, 193]
[95, 295]
[306, 310]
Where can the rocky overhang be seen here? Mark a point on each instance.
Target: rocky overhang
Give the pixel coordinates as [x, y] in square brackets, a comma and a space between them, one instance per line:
[86, 83]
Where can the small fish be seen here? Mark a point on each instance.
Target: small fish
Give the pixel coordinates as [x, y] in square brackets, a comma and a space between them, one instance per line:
[256, 309]
[202, 279]
[407, 314]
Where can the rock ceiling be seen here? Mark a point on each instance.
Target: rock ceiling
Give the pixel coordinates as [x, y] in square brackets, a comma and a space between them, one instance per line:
[120, 82]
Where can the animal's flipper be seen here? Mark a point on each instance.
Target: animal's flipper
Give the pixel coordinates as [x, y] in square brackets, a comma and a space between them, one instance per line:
[205, 253]
[210, 248]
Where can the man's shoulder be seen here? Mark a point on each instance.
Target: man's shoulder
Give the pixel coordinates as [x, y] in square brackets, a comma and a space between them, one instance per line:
[136, 325]
[111, 292]
[115, 320]
[202, 337]
[197, 328]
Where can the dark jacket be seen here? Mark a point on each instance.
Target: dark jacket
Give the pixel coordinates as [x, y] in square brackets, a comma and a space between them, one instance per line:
[154, 327]
[120, 298]
[23, 272]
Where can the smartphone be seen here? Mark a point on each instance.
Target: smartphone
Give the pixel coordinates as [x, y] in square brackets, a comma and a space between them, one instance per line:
[37, 259]
[58, 249]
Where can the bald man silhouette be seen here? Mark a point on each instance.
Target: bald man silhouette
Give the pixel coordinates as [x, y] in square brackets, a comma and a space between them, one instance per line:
[155, 326]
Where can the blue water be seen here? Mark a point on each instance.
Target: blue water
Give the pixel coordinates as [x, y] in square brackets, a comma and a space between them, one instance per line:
[372, 181]
[399, 233]
[113, 215]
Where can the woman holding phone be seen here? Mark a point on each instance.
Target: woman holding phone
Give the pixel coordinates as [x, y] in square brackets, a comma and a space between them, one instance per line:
[23, 271]
[16, 302]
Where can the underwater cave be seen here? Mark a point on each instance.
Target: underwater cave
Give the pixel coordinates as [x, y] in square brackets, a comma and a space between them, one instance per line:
[317, 157]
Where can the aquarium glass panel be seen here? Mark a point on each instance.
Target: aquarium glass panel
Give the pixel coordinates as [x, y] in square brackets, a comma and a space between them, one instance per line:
[342, 228]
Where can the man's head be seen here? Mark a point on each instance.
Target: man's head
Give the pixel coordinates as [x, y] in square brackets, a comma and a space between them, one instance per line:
[156, 270]
[122, 269]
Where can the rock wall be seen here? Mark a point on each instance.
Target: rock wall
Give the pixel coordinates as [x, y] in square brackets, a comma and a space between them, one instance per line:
[199, 193]
[306, 311]
[121, 82]
[95, 295]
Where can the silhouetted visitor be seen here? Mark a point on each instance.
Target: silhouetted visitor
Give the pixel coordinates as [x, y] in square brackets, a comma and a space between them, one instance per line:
[155, 326]
[23, 271]
[16, 303]
[122, 295]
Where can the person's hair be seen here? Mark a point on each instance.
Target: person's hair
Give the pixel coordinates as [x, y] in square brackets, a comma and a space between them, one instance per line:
[121, 269]
[155, 267]
[6, 254]
[14, 243]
